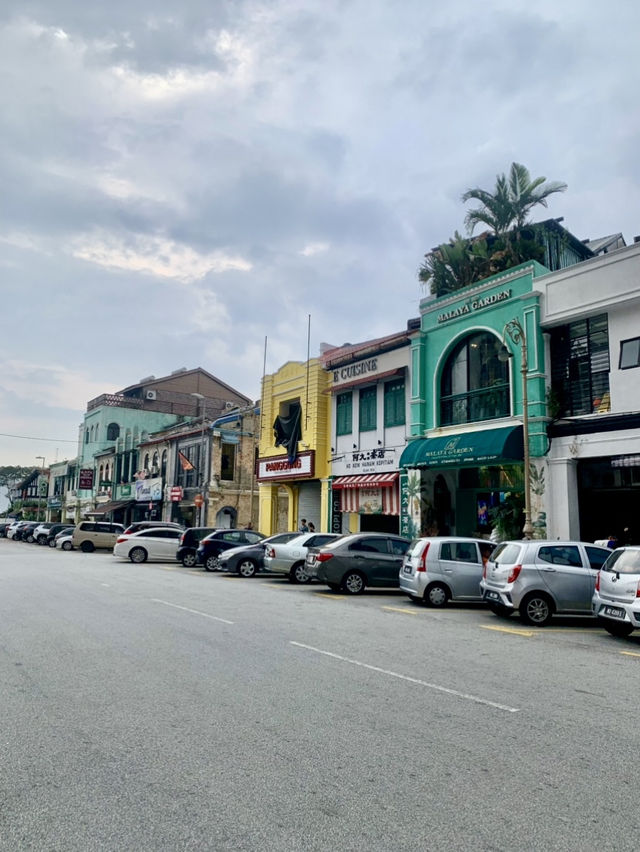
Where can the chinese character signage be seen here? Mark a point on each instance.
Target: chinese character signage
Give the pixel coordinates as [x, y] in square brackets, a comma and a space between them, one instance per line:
[85, 479]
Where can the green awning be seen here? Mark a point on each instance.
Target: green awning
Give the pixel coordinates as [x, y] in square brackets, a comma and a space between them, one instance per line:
[482, 447]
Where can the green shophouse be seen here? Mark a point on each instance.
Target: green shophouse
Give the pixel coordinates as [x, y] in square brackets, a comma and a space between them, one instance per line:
[464, 460]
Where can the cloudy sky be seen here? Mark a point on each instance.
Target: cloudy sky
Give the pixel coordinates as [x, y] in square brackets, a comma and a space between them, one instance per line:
[180, 180]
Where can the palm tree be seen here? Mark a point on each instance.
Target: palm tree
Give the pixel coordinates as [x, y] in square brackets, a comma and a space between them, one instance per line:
[509, 205]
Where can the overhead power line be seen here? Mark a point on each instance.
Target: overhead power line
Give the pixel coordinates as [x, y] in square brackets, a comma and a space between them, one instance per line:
[31, 438]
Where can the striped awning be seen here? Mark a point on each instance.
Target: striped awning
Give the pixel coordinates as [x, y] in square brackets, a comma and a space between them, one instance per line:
[372, 480]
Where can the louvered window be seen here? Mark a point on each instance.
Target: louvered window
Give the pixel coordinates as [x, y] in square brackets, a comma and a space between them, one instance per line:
[580, 367]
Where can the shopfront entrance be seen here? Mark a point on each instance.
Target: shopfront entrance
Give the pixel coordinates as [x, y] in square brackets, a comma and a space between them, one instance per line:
[609, 498]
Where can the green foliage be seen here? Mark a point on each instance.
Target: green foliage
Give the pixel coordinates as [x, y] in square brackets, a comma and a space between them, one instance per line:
[509, 205]
[508, 517]
[10, 475]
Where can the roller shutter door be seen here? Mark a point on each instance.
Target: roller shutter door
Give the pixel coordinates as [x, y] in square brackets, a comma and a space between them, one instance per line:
[309, 503]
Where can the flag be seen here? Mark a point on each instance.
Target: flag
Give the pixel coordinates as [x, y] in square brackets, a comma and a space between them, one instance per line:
[184, 462]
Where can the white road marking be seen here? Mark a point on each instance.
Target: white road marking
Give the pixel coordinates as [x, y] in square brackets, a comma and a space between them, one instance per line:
[194, 611]
[106, 585]
[435, 686]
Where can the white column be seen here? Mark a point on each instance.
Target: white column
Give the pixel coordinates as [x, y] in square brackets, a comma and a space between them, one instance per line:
[563, 518]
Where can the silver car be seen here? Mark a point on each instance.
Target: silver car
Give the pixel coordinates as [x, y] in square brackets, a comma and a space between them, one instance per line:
[540, 578]
[439, 569]
[289, 557]
[616, 598]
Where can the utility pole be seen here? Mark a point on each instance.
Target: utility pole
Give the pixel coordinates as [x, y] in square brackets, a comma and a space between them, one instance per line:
[40, 458]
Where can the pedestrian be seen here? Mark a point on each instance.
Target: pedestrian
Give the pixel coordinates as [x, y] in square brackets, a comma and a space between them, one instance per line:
[303, 525]
[612, 542]
[311, 526]
[485, 553]
[249, 526]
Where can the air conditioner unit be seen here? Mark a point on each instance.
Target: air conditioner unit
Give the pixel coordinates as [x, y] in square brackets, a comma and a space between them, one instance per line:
[150, 394]
[229, 405]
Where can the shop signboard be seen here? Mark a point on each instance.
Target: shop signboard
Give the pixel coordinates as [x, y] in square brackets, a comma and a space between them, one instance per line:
[336, 511]
[175, 494]
[272, 468]
[370, 501]
[148, 489]
[85, 479]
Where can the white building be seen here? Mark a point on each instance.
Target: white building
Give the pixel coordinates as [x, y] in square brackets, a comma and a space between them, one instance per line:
[591, 313]
[369, 417]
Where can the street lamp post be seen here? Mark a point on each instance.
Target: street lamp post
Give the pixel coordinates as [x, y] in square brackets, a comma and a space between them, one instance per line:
[40, 458]
[204, 485]
[516, 333]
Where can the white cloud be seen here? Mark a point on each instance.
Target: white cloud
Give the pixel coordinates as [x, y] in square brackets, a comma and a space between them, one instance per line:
[154, 256]
[47, 384]
[314, 248]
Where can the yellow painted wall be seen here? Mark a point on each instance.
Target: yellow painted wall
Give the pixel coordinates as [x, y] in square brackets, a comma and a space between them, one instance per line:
[294, 381]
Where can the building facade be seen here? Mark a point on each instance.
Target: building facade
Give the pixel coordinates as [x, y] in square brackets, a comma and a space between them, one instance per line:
[369, 389]
[293, 463]
[591, 318]
[465, 462]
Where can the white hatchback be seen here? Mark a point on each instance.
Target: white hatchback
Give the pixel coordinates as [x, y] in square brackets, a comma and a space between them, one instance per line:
[616, 598]
[156, 544]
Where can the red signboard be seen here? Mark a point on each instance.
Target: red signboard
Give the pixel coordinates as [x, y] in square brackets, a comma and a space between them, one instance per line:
[175, 494]
[85, 479]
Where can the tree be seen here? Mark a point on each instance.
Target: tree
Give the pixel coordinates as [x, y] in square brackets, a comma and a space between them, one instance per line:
[509, 205]
[10, 475]
[455, 264]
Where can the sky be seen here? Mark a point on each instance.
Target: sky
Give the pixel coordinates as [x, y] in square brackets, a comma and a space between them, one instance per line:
[182, 180]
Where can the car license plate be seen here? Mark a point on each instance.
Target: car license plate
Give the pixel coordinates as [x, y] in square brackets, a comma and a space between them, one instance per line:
[613, 612]
[492, 596]
[408, 569]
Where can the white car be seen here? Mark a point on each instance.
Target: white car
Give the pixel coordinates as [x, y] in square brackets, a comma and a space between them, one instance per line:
[64, 540]
[289, 558]
[155, 544]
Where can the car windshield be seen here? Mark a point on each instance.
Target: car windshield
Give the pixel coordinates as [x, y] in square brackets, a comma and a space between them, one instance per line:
[623, 562]
[506, 554]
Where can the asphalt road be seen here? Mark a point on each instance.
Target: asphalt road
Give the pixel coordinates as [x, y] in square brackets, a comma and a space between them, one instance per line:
[153, 707]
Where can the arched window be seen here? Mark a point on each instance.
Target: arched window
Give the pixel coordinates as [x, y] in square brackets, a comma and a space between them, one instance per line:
[86, 436]
[475, 383]
[91, 438]
[107, 471]
[146, 462]
[154, 464]
[113, 432]
[163, 469]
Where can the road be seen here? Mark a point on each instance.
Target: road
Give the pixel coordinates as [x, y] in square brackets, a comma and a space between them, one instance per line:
[153, 707]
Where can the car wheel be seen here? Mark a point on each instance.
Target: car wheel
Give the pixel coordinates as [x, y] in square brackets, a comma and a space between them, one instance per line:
[616, 628]
[298, 574]
[30, 538]
[353, 583]
[189, 560]
[500, 611]
[247, 568]
[436, 595]
[138, 555]
[42, 539]
[212, 563]
[51, 542]
[87, 547]
[66, 545]
[536, 609]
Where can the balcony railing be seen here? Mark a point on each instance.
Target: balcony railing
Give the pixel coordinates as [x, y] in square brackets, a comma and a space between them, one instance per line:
[485, 404]
[115, 400]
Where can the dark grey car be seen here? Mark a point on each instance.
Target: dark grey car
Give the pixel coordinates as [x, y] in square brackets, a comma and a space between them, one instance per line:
[355, 561]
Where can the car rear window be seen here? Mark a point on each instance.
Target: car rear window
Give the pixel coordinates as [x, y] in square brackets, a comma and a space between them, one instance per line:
[506, 554]
[623, 562]
[415, 548]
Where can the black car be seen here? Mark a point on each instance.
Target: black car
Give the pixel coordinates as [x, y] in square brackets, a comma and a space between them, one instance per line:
[212, 546]
[25, 532]
[247, 560]
[53, 532]
[189, 541]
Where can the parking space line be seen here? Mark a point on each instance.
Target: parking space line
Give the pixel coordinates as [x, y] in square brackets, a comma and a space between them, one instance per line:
[629, 653]
[445, 689]
[193, 611]
[513, 630]
[398, 609]
[329, 595]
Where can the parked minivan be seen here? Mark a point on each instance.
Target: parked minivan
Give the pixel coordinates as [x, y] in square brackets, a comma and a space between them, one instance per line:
[439, 569]
[540, 578]
[89, 535]
[616, 598]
